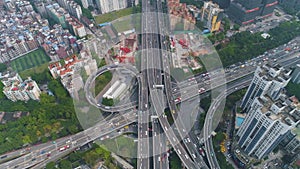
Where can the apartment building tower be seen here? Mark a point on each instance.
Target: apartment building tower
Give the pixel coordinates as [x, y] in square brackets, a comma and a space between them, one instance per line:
[268, 79]
[111, 5]
[266, 125]
[211, 15]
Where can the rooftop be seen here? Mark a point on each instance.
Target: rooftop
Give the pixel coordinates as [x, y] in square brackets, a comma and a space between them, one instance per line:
[288, 114]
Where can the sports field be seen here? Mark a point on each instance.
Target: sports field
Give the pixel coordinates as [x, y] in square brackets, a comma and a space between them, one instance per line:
[30, 60]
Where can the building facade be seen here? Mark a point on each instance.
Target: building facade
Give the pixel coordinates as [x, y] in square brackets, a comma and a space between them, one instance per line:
[211, 15]
[106, 6]
[267, 123]
[296, 75]
[16, 89]
[85, 3]
[271, 118]
[268, 79]
[247, 11]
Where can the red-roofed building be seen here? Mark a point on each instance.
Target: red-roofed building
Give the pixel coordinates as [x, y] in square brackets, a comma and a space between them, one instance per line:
[180, 14]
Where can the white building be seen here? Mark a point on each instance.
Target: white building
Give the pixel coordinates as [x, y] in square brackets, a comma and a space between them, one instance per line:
[268, 79]
[111, 5]
[85, 3]
[32, 89]
[266, 125]
[16, 89]
[77, 27]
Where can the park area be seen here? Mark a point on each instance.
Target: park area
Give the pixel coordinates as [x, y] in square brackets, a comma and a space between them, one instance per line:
[30, 60]
[121, 145]
[108, 17]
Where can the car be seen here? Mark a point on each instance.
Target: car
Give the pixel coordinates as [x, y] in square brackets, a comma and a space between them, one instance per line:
[201, 151]
[201, 90]
[178, 99]
[61, 149]
[3, 157]
[191, 79]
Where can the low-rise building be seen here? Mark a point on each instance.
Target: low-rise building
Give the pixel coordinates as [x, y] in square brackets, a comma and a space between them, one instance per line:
[69, 73]
[180, 14]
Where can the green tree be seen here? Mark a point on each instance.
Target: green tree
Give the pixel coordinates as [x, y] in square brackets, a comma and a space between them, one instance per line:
[91, 8]
[175, 162]
[2, 95]
[236, 27]
[3, 67]
[293, 89]
[50, 165]
[226, 24]
[108, 102]
[65, 164]
[74, 157]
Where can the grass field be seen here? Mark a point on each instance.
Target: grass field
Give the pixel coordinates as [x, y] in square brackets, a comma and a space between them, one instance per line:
[36, 70]
[121, 145]
[30, 60]
[113, 15]
[123, 25]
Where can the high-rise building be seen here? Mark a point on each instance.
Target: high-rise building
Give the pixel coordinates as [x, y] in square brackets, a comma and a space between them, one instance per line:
[32, 89]
[85, 3]
[267, 124]
[268, 79]
[111, 5]
[211, 15]
[296, 74]
[247, 11]
[76, 27]
[291, 143]
[16, 89]
[57, 13]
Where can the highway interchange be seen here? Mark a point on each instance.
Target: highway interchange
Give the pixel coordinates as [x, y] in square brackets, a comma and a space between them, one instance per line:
[37, 156]
[84, 137]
